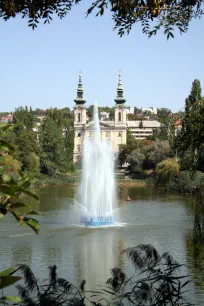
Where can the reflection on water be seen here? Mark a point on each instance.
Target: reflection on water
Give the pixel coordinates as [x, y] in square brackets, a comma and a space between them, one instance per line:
[96, 253]
[172, 224]
[195, 246]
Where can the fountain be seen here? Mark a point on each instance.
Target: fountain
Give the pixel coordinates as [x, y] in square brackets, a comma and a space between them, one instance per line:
[97, 190]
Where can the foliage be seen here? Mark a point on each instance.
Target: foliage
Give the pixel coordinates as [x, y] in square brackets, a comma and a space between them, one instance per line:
[151, 14]
[43, 145]
[24, 116]
[10, 164]
[7, 279]
[57, 291]
[12, 189]
[136, 159]
[155, 282]
[158, 151]
[166, 171]
[190, 141]
[188, 182]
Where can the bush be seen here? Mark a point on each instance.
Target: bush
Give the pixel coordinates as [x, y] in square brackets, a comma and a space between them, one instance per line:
[166, 171]
[188, 182]
[158, 151]
[135, 159]
[155, 282]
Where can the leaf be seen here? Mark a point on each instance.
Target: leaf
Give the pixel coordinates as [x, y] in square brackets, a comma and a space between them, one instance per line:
[17, 205]
[3, 210]
[113, 293]
[7, 280]
[7, 271]
[32, 212]
[15, 299]
[32, 223]
[7, 190]
[31, 194]
[185, 283]
[16, 215]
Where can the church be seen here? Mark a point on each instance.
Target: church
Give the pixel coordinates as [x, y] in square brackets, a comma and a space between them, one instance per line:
[115, 131]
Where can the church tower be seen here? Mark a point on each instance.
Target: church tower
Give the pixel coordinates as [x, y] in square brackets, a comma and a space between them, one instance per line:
[80, 109]
[120, 112]
[120, 132]
[79, 120]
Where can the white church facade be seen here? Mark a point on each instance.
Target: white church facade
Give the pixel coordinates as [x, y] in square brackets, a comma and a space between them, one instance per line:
[115, 131]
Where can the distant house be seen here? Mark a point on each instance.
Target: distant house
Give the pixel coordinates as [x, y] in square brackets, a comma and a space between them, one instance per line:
[7, 119]
[178, 126]
[129, 110]
[152, 110]
[104, 116]
[141, 129]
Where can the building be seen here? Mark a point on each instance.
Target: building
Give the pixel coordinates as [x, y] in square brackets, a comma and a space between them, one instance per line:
[104, 116]
[7, 119]
[142, 129]
[114, 130]
[152, 110]
[178, 126]
[130, 110]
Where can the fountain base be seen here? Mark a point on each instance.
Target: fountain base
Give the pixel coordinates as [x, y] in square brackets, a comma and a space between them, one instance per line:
[96, 221]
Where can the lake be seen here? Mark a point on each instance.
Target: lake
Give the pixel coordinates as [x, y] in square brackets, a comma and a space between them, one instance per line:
[152, 217]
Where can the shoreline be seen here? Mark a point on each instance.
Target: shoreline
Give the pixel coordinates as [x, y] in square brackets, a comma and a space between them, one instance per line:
[45, 182]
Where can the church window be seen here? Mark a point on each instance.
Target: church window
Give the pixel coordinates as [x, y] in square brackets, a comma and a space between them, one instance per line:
[119, 135]
[119, 116]
[79, 148]
[79, 117]
[79, 135]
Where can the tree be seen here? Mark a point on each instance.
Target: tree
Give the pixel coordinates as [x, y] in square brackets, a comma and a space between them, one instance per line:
[166, 171]
[158, 151]
[11, 189]
[151, 14]
[24, 116]
[189, 143]
[136, 159]
[51, 146]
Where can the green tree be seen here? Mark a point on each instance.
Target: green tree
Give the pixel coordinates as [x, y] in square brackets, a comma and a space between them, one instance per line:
[69, 145]
[158, 151]
[165, 14]
[166, 171]
[51, 147]
[12, 189]
[24, 116]
[189, 143]
[135, 160]
[27, 149]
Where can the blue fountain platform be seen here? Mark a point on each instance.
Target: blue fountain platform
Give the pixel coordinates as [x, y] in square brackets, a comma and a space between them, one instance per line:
[96, 221]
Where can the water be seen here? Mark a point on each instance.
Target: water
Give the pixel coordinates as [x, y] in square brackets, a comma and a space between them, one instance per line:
[165, 221]
[97, 190]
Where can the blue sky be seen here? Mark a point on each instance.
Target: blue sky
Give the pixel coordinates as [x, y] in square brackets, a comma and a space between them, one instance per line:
[40, 68]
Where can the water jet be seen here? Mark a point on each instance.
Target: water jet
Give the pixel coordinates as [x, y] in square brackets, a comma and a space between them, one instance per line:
[97, 190]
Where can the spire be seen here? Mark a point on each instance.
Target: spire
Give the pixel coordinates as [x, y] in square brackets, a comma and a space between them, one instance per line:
[120, 98]
[79, 99]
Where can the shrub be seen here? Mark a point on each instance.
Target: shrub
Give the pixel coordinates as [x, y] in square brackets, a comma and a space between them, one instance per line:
[166, 171]
[188, 182]
[155, 282]
[135, 159]
[158, 151]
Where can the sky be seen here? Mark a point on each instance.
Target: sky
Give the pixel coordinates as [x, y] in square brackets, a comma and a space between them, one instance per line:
[40, 68]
